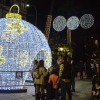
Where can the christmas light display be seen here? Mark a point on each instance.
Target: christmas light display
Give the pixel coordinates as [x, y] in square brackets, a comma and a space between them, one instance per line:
[86, 21]
[20, 44]
[72, 23]
[59, 23]
[48, 26]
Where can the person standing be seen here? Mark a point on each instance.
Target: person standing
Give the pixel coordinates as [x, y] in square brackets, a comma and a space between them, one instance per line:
[33, 66]
[65, 78]
[39, 82]
[93, 67]
[53, 85]
[56, 66]
[88, 69]
[81, 69]
[73, 76]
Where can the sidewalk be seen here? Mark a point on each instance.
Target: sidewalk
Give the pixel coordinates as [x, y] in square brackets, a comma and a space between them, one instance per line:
[83, 91]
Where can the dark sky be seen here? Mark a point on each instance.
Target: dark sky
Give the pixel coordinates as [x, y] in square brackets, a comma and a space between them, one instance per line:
[81, 7]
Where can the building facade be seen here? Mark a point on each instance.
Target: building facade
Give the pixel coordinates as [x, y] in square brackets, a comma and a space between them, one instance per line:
[6, 4]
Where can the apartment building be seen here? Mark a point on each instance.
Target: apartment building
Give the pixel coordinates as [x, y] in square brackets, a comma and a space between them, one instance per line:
[6, 4]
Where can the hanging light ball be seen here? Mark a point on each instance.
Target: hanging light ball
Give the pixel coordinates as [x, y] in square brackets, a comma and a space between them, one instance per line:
[59, 23]
[20, 44]
[73, 23]
[86, 21]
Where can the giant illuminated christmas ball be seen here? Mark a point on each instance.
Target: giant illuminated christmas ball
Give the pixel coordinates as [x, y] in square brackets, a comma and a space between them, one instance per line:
[20, 44]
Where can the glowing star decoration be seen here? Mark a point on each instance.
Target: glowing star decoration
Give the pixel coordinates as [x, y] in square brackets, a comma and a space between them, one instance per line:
[16, 26]
[22, 58]
[18, 48]
[86, 21]
[72, 23]
[2, 58]
[59, 23]
[1, 49]
[13, 30]
[9, 35]
[47, 57]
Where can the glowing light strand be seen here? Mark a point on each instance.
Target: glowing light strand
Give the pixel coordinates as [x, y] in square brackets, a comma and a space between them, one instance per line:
[20, 52]
[59, 23]
[86, 21]
[72, 23]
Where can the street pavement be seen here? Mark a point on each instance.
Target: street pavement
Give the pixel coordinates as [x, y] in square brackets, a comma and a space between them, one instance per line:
[82, 87]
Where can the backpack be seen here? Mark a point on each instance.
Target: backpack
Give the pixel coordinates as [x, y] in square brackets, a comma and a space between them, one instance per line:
[36, 73]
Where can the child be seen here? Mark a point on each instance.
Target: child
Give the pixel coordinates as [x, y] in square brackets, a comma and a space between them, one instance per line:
[96, 91]
[53, 85]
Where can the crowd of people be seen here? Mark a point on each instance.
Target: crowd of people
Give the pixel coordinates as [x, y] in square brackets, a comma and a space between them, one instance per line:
[59, 79]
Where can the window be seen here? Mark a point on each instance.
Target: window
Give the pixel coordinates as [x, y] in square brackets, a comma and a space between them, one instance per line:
[2, 1]
[7, 3]
[4, 13]
[23, 6]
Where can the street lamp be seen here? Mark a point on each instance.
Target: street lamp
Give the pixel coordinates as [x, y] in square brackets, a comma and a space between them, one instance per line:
[61, 49]
[36, 13]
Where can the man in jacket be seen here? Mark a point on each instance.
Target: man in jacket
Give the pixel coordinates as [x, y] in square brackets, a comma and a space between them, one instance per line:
[65, 78]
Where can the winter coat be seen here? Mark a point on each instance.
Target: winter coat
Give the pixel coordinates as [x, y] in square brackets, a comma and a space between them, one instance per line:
[43, 73]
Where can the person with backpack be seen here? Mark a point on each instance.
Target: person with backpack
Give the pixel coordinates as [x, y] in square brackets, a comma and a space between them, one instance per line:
[39, 74]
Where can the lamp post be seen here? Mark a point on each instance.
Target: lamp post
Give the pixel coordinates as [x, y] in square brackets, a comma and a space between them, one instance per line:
[35, 11]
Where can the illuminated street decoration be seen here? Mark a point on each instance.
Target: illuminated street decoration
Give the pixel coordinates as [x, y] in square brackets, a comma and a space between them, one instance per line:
[2, 58]
[86, 21]
[47, 57]
[1, 49]
[19, 46]
[72, 23]
[13, 29]
[48, 26]
[22, 58]
[59, 23]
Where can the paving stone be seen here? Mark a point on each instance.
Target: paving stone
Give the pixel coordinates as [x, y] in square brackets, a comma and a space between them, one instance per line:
[83, 92]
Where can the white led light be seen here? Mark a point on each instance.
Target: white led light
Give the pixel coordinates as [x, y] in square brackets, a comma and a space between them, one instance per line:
[72, 23]
[59, 23]
[86, 21]
[19, 46]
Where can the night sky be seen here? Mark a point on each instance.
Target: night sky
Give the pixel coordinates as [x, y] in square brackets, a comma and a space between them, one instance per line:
[78, 8]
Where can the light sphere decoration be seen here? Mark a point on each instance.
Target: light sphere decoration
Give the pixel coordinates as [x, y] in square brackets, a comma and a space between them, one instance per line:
[72, 23]
[20, 44]
[86, 21]
[59, 23]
